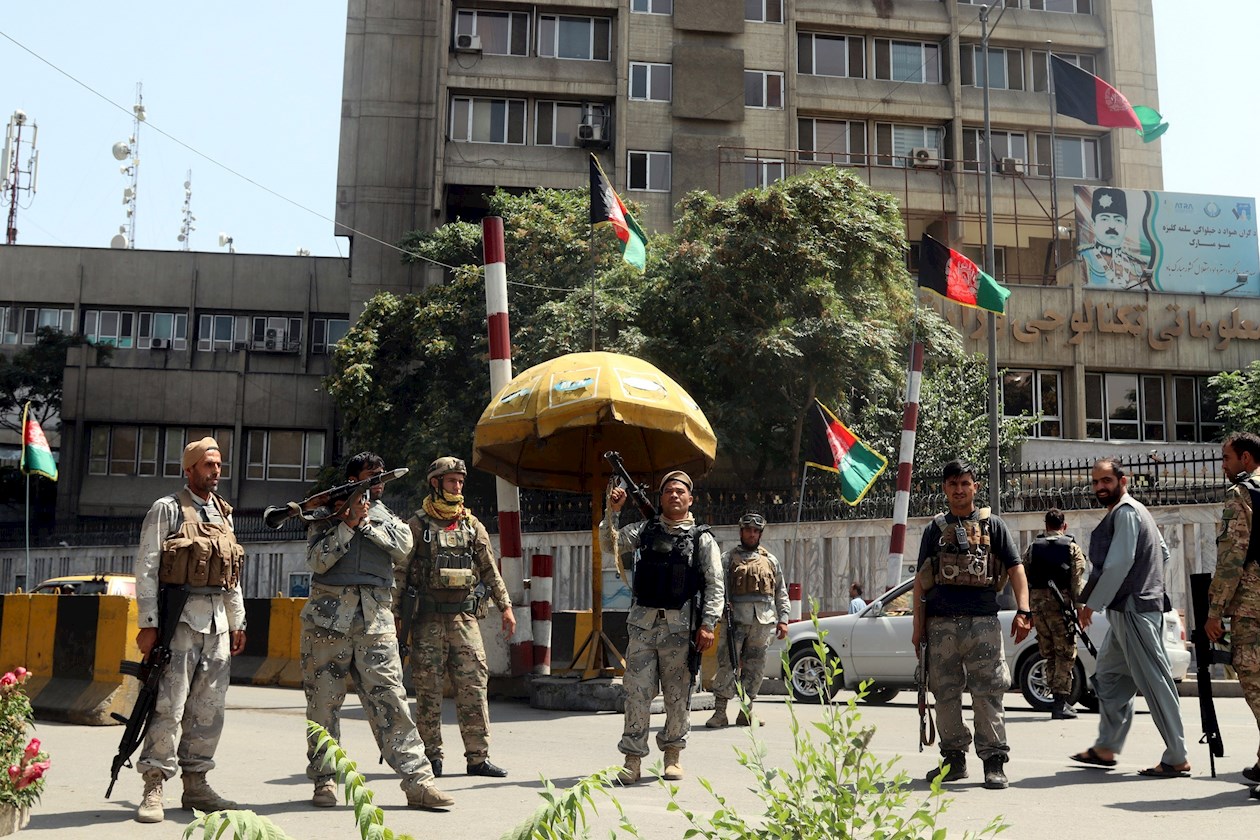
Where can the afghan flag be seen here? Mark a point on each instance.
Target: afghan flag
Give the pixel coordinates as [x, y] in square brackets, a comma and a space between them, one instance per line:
[1079, 93]
[951, 275]
[829, 445]
[37, 457]
[606, 208]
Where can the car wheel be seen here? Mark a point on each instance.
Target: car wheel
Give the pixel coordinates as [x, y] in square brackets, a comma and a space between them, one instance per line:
[1030, 675]
[807, 675]
[878, 695]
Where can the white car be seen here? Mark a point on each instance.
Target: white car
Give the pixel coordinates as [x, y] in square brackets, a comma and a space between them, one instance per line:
[875, 645]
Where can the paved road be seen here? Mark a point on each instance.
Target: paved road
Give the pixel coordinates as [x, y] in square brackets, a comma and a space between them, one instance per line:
[262, 763]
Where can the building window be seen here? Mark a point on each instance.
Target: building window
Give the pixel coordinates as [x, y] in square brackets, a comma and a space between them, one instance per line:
[222, 332]
[1124, 406]
[501, 33]
[831, 55]
[1006, 67]
[649, 171]
[975, 253]
[580, 38]
[907, 61]
[10, 324]
[109, 328]
[651, 82]
[284, 456]
[325, 332]
[1006, 144]
[1074, 157]
[176, 438]
[35, 318]
[761, 172]
[1041, 67]
[652, 7]
[1079, 7]
[1031, 393]
[841, 142]
[763, 11]
[763, 89]
[149, 451]
[895, 144]
[1195, 417]
[556, 123]
[476, 120]
[280, 333]
[162, 330]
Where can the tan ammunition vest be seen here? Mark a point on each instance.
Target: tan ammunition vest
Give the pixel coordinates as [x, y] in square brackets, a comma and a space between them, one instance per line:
[201, 553]
[751, 574]
[951, 566]
[452, 555]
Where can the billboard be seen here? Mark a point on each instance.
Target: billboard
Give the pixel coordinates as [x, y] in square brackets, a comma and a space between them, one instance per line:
[1189, 244]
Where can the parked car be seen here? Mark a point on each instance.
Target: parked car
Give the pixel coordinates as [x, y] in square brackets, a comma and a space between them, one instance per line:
[874, 644]
[88, 585]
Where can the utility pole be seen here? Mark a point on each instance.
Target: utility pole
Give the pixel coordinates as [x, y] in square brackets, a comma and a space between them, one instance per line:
[995, 467]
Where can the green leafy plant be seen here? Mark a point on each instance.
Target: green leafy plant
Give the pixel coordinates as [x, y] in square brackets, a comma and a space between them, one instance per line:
[25, 762]
[562, 816]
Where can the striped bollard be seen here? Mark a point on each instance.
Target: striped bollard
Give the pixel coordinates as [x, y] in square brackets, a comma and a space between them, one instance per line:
[905, 467]
[794, 602]
[542, 570]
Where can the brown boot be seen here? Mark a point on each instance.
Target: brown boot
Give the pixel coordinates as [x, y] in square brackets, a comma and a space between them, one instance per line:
[198, 794]
[747, 719]
[673, 764]
[325, 794]
[428, 798]
[630, 773]
[150, 810]
[719, 718]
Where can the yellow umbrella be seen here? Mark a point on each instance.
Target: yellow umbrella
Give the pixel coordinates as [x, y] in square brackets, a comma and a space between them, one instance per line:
[550, 426]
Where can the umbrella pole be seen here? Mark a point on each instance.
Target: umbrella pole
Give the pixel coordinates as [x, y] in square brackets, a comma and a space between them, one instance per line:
[592, 650]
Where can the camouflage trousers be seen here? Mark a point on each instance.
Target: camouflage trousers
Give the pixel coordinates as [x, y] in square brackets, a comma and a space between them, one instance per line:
[1244, 639]
[751, 642]
[371, 661]
[655, 659]
[450, 646]
[1055, 641]
[191, 701]
[965, 653]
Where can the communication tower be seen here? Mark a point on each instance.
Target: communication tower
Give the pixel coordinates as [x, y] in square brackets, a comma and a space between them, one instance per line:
[11, 165]
[187, 218]
[128, 151]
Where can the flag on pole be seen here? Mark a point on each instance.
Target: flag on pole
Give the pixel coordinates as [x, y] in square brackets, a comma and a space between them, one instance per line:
[1079, 93]
[829, 445]
[37, 458]
[607, 208]
[951, 275]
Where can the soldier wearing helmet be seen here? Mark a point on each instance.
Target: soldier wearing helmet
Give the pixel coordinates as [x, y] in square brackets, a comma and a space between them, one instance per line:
[678, 562]
[453, 571]
[758, 599]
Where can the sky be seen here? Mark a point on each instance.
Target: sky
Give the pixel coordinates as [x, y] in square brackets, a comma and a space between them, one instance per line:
[256, 88]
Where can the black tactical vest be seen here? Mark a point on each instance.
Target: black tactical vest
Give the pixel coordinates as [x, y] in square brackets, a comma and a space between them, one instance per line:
[1253, 543]
[666, 575]
[1051, 560]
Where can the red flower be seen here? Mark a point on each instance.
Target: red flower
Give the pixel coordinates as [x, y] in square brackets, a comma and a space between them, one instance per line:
[20, 672]
[14, 772]
[32, 749]
[7, 680]
[33, 773]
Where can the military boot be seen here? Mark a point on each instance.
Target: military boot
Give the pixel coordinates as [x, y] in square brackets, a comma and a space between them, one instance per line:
[150, 810]
[748, 719]
[719, 718]
[957, 761]
[994, 775]
[427, 797]
[1062, 709]
[436, 763]
[325, 794]
[198, 794]
[673, 764]
[629, 774]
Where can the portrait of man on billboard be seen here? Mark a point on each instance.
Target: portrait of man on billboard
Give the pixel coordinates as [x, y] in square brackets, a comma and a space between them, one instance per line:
[1107, 262]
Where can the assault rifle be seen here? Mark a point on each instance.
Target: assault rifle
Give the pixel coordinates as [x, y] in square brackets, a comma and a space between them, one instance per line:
[728, 619]
[1205, 656]
[637, 492]
[325, 504]
[149, 672]
[927, 727]
[1073, 626]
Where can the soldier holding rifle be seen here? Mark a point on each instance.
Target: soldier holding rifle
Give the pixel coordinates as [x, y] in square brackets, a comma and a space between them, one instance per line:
[757, 607]
[678, 562]
[1054, 557]
[187, 542]
[348, 631]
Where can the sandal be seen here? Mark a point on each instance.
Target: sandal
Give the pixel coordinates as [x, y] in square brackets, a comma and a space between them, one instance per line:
[1164, 771]
[1090, 756]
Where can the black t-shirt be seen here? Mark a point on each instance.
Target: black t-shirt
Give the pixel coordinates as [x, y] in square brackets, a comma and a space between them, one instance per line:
[944, 599]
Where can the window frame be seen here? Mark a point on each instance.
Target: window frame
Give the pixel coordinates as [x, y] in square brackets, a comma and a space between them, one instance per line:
[651, 4]
[650, 70]
[1041, 143]
[762, 166]
[890, 157]
[1101, 422]
[513, 18]
[509, 104]
[849, 157]
[647, 162]
[1202, 402]
[973, 140]
[768, 78]
[262, 468]
[1037, 382]
[552, 50]
[848, 43]
[1011, 58]
[1040, 67]
[934, 62]
[764, 14]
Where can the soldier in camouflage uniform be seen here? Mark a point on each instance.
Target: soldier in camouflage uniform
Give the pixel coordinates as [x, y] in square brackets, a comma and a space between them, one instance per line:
[211, 630]
[1055, 556]
[451, 567]
[758, 596]
[676, 559]
[348, 632]
[1235, 589]
[964, 558]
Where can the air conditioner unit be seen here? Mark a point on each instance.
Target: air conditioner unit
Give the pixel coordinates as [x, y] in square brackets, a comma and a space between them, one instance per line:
[274, 340]
[160, 344]
[468, 43]
[1012, 166]
[590, 133]
[240, 345]
[923, 157]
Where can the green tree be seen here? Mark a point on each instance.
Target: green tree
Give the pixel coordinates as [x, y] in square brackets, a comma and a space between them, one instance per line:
[36, 375]
[1238, 398]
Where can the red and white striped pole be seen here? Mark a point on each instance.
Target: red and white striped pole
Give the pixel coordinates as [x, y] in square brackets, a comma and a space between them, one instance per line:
[509, 497]
[905, 467]
[542, 570]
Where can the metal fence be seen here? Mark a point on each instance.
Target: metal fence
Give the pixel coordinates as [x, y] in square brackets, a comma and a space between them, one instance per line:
[1171, 478]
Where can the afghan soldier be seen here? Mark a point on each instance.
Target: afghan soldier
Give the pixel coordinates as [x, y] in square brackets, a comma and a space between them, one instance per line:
[964, 559]
[1235, 589]
[1055, 557]
[678, 561]
[348, 632]
[759, 605]
[180, 530]
[452, 571]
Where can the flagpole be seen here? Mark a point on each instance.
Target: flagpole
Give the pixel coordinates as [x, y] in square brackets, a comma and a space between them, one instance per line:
[1054, 177]
[995, 487]
[28, 533]
[800, 508]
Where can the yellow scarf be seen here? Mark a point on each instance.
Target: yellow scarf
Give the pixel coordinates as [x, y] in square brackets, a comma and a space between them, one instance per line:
[446, 508]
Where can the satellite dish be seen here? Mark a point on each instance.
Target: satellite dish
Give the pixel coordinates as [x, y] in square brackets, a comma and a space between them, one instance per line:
[121, 150]
[179, 238]
[119, 241]
[187, 184]
[224, 239]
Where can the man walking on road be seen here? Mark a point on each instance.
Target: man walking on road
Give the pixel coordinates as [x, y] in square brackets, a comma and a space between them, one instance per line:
[1127, 556]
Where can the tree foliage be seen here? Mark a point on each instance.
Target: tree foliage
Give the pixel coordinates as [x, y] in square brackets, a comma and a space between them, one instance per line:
[36, 375]
[1238, 398]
